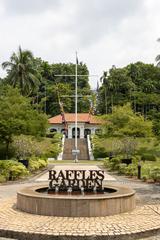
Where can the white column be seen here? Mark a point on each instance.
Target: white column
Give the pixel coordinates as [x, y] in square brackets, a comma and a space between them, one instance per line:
[69, 132]
[82, 132]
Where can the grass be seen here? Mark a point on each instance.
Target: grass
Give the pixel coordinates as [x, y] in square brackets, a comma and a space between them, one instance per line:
[87, 162]
[148, 165]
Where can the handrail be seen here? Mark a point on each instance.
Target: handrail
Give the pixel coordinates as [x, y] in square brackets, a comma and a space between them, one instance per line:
[60, 155]
[90, 152]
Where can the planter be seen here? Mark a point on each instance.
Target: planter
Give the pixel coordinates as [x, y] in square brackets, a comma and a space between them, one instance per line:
[126, 160]
[24, 162]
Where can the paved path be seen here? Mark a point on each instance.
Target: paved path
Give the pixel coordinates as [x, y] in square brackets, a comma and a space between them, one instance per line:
[148, 215]
[135, 223]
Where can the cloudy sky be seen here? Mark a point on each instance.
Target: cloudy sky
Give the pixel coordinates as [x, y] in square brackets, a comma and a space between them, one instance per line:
[104, 32]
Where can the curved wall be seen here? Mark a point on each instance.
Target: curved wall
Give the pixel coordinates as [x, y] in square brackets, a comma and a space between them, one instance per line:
[123, 200]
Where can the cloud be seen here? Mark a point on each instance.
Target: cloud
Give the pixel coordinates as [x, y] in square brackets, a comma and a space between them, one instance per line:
[29, 6]
[105, 32]
[94, 19]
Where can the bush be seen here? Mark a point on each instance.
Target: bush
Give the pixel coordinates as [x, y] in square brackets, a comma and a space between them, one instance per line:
[36, 164]
[155, 173]
[2, 179]
[144, 177]
[112, 164]
[131, 170]
[122, 168]
[11, 169]
[100, 152]
[17, 171]
[148, 157]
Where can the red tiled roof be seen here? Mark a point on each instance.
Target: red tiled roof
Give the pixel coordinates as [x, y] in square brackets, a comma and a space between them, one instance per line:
[70, 117]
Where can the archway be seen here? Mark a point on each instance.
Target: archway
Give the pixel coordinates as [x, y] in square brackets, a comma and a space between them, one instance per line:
[73, 132]
[53, 130]
[87, 131]
[65, 132]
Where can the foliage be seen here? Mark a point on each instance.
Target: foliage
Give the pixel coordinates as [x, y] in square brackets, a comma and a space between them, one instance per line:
[22, 71]
[131, 170]
[47, 84]
[3, 151]
[18, 117]
[36, 164]
[27, 146]
[122, 168]
[148, 157]
[124, 122]
[136, 83]
[99, 151]
[23, 147]
[54, 88]
[113, 163]
[155, 173]
[10, 169]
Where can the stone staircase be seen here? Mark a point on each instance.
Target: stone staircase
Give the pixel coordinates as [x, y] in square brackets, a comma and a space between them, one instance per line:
[82, 146]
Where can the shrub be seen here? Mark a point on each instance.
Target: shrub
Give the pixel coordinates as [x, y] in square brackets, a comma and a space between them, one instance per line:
[155, 173]
[148, 157]
[23, 146]
[11, 169]
[18, 171]
[35, 164]
[144, 177]
[2, 179]
[113, 164]
[99, 152]
[106, 162]
[122, 168]
[131, 170]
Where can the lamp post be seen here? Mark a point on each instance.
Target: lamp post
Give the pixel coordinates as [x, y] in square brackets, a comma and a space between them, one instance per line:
[76, 147]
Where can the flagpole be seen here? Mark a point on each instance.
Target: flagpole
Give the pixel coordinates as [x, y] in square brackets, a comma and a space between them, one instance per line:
[76, 155]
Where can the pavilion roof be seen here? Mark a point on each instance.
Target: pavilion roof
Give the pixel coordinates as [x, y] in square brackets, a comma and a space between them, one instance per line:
[70, 117]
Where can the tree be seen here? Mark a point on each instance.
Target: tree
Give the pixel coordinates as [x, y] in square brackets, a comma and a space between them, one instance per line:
[22, 71]
[136, 83]
[124, 122]
[53, 85]
[38, 79]
[18, 117]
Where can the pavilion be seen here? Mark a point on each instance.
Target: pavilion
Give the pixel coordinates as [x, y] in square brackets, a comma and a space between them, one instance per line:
[86, 124]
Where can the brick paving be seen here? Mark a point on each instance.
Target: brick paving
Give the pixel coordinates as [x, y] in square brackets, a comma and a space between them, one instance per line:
[143, 223]
[14, 223]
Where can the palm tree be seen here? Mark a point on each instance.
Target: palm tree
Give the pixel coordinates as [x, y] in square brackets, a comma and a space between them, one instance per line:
[22, 71]
[158, 56]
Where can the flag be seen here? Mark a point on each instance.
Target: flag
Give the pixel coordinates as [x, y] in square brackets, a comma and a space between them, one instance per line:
[97, 86]
[63, 116]
[76, 59]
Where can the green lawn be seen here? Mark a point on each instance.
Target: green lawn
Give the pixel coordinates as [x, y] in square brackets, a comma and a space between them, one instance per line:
[148, 165]
[79, 162]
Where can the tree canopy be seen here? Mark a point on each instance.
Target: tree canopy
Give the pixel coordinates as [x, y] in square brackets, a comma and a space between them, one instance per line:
[18, 117]
[136, 83]
[124, 122]
[39, 80]
[22, 71]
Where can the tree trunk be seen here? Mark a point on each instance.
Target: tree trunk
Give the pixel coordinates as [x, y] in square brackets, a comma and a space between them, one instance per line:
[7, 149]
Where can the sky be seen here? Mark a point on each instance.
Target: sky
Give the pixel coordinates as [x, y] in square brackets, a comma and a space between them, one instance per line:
[103, 32]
